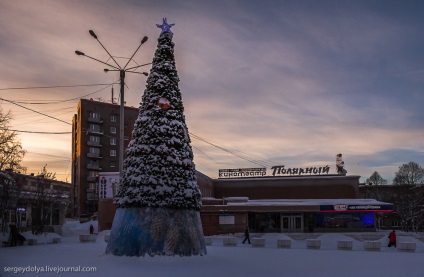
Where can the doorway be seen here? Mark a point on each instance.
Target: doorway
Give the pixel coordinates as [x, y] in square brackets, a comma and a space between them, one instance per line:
[292, 223]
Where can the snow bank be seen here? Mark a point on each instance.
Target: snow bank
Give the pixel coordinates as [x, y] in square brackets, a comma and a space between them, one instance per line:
[74, 227]
[240, 260]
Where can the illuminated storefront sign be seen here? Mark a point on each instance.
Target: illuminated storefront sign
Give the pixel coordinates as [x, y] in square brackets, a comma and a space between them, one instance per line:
[356, 208]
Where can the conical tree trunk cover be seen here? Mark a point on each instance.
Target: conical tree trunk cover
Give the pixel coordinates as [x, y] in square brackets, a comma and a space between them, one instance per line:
[158, 198]
[156, 231]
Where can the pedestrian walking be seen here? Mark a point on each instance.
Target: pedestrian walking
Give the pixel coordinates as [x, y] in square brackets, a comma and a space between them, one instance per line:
[246, 235]
[91, 229]
[392, 239]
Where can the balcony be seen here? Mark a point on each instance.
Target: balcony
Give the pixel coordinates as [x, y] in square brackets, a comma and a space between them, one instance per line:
[93, 167]
[94, 143]
[97, 132]
[94, 155]
[94, 120]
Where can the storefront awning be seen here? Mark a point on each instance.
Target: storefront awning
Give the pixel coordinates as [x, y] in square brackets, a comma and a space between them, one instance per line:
[305, 205]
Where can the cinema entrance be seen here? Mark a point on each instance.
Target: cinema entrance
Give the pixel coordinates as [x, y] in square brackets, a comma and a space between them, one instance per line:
[260, 222]
[291, 223]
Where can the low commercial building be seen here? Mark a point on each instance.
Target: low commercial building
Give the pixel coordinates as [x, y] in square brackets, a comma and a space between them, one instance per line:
[32, 202]
[312, 203]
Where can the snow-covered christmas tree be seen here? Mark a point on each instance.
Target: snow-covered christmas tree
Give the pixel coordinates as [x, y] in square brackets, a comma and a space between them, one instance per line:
[158, 199]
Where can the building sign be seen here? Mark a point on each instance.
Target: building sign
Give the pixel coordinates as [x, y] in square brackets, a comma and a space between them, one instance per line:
[280, 170]
[356, 208]
[226, 220]
[108, 184]
[341, 207]
[242, 172]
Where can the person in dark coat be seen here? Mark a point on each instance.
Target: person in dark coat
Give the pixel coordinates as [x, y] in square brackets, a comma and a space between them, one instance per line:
[14, 237]
[91, 229]
[246, 235]
[392, 239]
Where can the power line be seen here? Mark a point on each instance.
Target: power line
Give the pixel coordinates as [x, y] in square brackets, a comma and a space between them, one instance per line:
[35, 111]
[45, 155]
[34, 132]
[68, 100]
[209, 157]
[241, 156]
[70, 86]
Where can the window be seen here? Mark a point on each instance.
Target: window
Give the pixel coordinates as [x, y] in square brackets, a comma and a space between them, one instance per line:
[93, 163]
[92, 173]
[113, 130]
[113, 118]
[113, 141]
[94, 127]
[94, 115]
[113, 153]
[94, 150]
[112, 163]
[95, 139]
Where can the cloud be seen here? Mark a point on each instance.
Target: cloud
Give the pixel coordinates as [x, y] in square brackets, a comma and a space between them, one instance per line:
[288, 81]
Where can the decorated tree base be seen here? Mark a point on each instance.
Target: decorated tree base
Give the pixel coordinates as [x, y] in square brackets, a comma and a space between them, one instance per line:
[156, 231]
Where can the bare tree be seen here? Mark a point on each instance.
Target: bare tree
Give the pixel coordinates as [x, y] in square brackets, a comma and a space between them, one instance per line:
[374, 191]
[11, 152]
[409, 206]
[410, 202]
[43, 201]
[46, 174]
[409, 174]
[376, 179]
[10, 189]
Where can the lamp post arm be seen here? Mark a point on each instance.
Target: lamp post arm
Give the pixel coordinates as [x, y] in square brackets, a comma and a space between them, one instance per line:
[134, 67]
[108, 53]
[141, 43]
[143, 73]
[101, 62]
[132, 56]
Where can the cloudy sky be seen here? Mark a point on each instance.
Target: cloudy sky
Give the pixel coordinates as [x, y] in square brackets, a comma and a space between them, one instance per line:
[282, 82]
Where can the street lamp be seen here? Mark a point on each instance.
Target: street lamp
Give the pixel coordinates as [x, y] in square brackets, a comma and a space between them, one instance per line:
[122, 71]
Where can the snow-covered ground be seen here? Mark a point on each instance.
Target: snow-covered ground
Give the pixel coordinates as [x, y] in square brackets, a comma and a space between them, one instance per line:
[240, 260]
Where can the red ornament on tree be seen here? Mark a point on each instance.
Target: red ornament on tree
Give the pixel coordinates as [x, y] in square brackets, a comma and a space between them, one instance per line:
[164, 103]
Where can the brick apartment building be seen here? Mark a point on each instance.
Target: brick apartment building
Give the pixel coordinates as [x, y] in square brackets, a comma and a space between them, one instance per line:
[95, 148]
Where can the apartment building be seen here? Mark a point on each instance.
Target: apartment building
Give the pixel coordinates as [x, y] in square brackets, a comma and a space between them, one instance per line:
[95, 148]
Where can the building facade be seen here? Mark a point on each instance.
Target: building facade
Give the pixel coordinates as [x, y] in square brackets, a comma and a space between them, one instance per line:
[310, 203]
[32, 202]
[95, 148]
